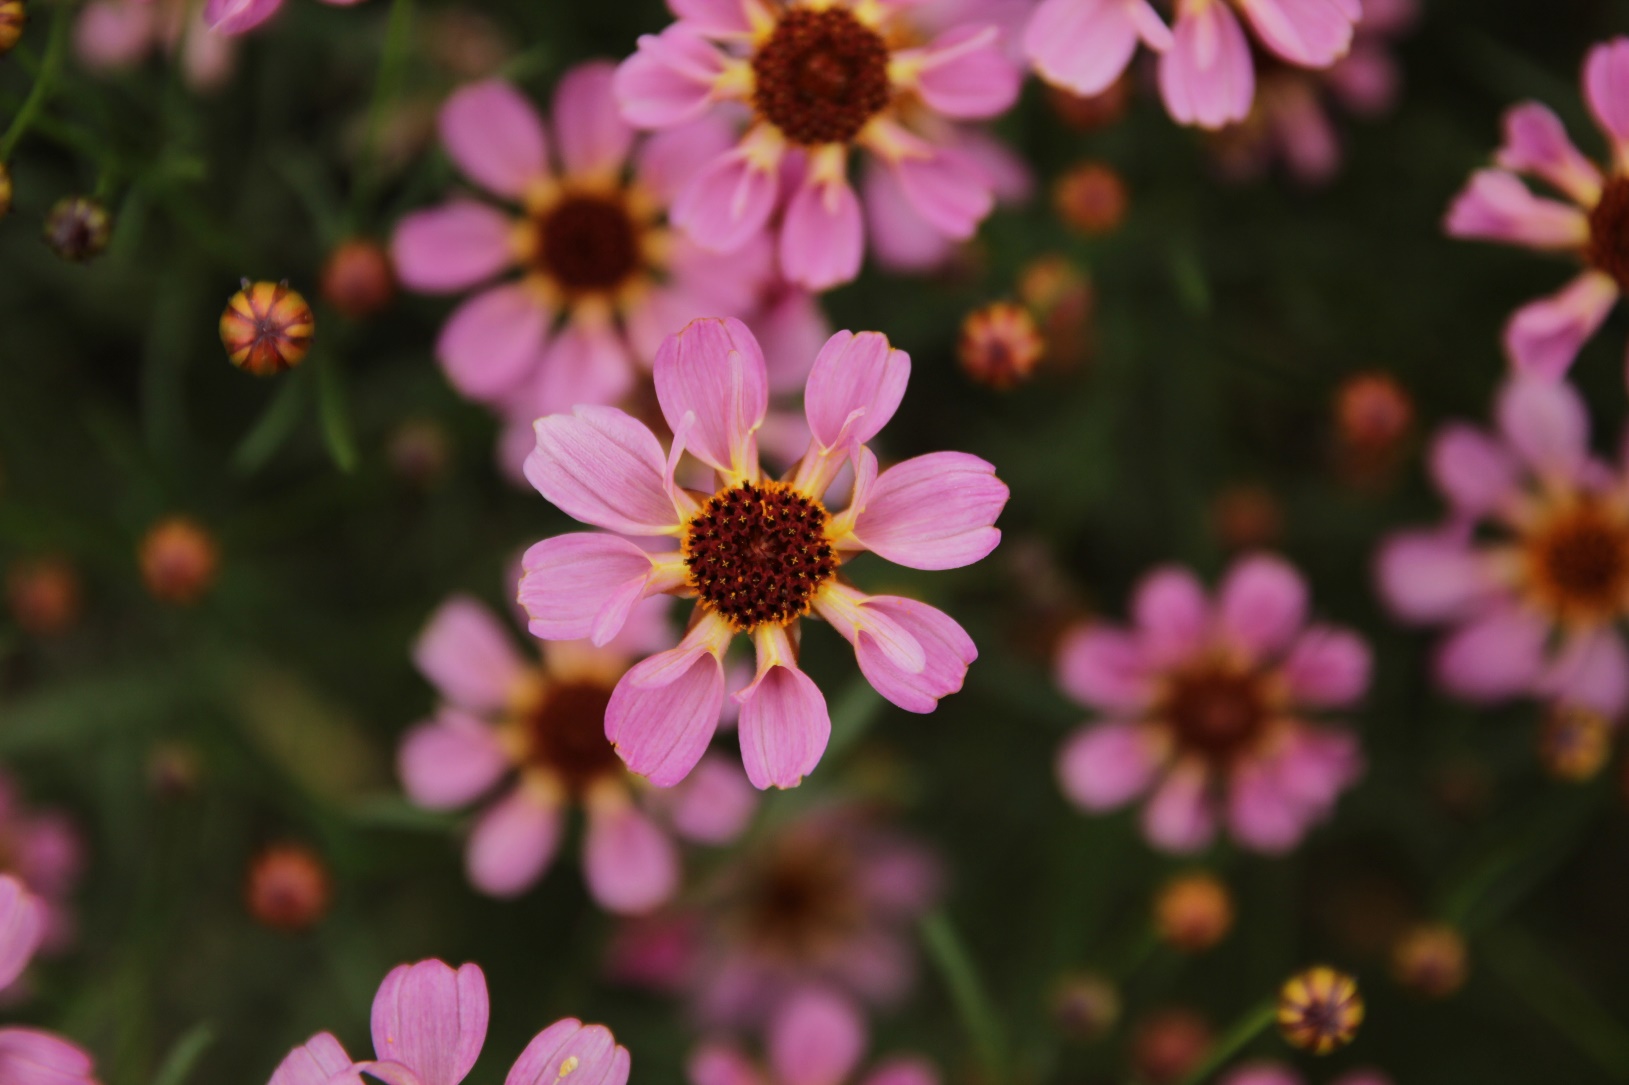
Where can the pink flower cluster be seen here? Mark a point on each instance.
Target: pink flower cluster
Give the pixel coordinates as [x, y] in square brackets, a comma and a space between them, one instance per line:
[30, 1056]
[818, 1039]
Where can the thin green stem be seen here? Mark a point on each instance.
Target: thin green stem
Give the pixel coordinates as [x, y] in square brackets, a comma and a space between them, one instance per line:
[386, 83]
[1555, 996]
[1258, 1020]
[973, 1003]
[56, 46]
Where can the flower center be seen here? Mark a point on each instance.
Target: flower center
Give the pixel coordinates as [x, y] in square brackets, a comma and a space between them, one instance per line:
[565, 734]
[1216, 712]
[1609, 232]
[757, 553]
[821, 75]
[1578, 564]
[801, 899]
[588, 244]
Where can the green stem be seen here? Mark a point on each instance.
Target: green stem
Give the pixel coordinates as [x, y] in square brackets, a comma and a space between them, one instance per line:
[951, 958]
[1555, 996]
[55, 47]
[391, 66]
[183, 1057]
[1251, 1025]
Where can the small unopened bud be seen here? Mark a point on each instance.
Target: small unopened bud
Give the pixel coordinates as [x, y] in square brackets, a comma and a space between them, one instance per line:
[357, 280]
[179, 560]
[1247, 516]
[1374, 416]
[1574, 742]
[78, 228]
[5, 190]
[288, 888]
[1061, 297]
[1000, 345]
[1168, 1044]
[267, 328]
[1085, 1006]
[44, 595]
[1430, 960]
[13, 18]
[1319, 1010]
[1193, 912]
[1091, 112]
[419, 452]
[1091, 198]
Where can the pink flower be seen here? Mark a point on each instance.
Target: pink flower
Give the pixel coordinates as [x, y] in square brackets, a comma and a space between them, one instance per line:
[1268, 1072]
[1532, 568]
[534, 734]
[429, 1025]
[30, 1056]
[821, 81]
[1208, 706]
[817, 1039]
[1085, 45]
[601, 277]
[1545, 336]
[43, 850]
[758, 554]
[112, 35]
[22, 927]
[242, 16]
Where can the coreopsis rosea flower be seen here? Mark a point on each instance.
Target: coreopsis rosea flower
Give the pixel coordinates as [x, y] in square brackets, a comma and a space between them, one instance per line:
[429, 1025]
[758, 554]
[1208, 708]
[602, 278]
[1319, 1010]
[821, 80]
[114, 35]
[1531, 569]
[31, 1056]
[1545, 336]
[242, 16]
[532, 734]
[43, 850]
[818, 1038]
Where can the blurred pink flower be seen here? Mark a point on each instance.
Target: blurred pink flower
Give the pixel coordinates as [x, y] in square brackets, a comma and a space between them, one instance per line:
[758, 554]
[595, 255]
[44, 851]
[1532, 567]
[542, 725]
[113, 35]
[242, 16]
[821, 81]
[30, 1056]
[1268, 1072]
[818, 1038]
[1208, 705]
[429, 1025]
[1545, 336]
[1085, 45]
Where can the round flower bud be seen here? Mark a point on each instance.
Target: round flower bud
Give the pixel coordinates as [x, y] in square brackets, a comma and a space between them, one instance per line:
[1430, 960]
[1085, 1006]
[1091, 198]
[1000, 345]
[13, 17]
[179, 560]
[267, 328]
[357, 280]
[1374, 416]
[1246, 516]
[1574, 742]
[5, 190]
[43, 595]
[1167, 1045]
[78, 228]
[288, 888]
[1319, 1010]
[1193, 912]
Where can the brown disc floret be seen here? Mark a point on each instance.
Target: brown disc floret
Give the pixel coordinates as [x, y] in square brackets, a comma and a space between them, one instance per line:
[758, 552]
[821, 75]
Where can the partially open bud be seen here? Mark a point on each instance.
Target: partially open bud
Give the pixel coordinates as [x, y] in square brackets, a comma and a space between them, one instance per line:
[43, 595]
[5, 190]
[1574, 742]
[1193, 912]
[179, 560]
[1246, 516]
[78, 228]
[1000, 345]
[288, 888]
[13, 17]
[1168, 1044]
[1430, 959]
[1319, 1010]
[267, 328]
[357, 280]
[1091, 198]
[1085, 1006]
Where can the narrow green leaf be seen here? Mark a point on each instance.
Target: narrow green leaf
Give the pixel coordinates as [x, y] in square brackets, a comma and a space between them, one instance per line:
[973, 1003]
[336, 417]
[183, 1057]
[277, 422]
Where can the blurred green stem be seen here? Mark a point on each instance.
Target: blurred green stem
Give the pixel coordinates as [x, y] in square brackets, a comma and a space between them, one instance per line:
[385, 86]
[183, 1057]
[55, 47]
[1530, 972]
[1251, 1025]
[955, 965]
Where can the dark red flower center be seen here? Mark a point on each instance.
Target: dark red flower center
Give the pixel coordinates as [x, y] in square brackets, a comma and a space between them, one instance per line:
[801, 898]
[588, 244]
[1579, 563]
[1609, 232]
[565, 734]
[758, 552]
[821, 75]
[1215, 711]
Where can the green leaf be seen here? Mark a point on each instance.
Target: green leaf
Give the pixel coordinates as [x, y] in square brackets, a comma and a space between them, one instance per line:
[336, 417]
[184, 1056]
[279, 420]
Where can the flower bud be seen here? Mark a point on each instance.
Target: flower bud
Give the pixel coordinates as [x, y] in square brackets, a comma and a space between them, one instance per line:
[1091, 198]
[267, 328]
[1574, 742]
[179, 560]
[1430, 960]
[1374, 416]
[44, 595]
[1061, 297]
[357, 280]
[1085, 1006]
[5, 190]
[288, 888]
[1091, 112]
[1193, 912]
[13, 18]
[1319, 1010]
[1246, 516]
[1000, 345]
[78, 228]
[1168, 1044]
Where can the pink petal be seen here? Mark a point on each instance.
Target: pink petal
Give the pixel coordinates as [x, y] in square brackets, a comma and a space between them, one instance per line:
[1327, 667]
[1305, 131]
[453, 247]
[1316, 765]
[22, 926]
[1496, 206]
[631, 865]
[792, 329]
[1473, 470]
[1207, 77]
[716, 18]
[822, 238]
[714, 804]
[110, 35]
[947, 189]
[817, 1038]
[900, 238]
[1259, 814]
[902, 1071]
[1536, 142]
[33, 1057]
[1544, 336]
[493, 341]
[1261, 604]
[1591, 670]
[784, 727]
[238, 16]
[1547, 424]
[1495, 657]
[313, 1063]
[727, 203]
[452, 761]
[467, 654]
[664, 711]
[669, 80]
[854, 388]
[583, 585]
[1261, 1073]
[965, 74]
[431, 1019]
[1085, 45]
[716, 1064]
[1606, 88]
[1311, 33]
[513, 843]
[589, 132]
[1179, 817]
[1432, 576]
[714, 370]
[605, 468]
[1107, 765]
[932, 512]
[1172, 615]
[669, 159]
[947, 651]
[587, 364]
[1104, 668]
[597, 1058]
[495, 137]
[719, 283]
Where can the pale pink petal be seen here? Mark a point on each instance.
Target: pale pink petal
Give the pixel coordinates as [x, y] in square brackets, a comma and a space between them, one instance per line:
[1085, 45]
[431, 1019]
[792, 329]
[713, 369]
[1315, 765]
[947, 653]
[589, 133]
[33, 1057]
[1606, 88]
[376, 1072]
[1368, 81]
[947, 189]
[494, 135]
[207, 59]
[669, 80]
[114, 34]
[1107, 765]
[716, 1064]
[936, 511]
[603, 467]
[493, 341]
[667, 160]
[714, 804]
[1207, 77]
[717, 18]
[583, 585]
[1172, 614]
[1496, 206]
[22, 926]
[513, 843]
[238, 16]
[784, 727]
[1179, 817]
[900, 238]
[467, 654]
[1005, 170]
[1259, 814]
[964, 73]
[817, 1038]
[1432, 576]
[1305, 131]
[1327, 667]
[1311, 33]
[1104, 668]
[664, 711]
[1494, 657]
[1546, 423]
[1592, 670]
[453, 247]
[313, 1063]
[449, 762]
[902, 1071]
[1261, 1073]
[586, 364]
[596, 1058]
[1261, 604]
[822, 238]
[727, 203]
[1544, 336]
[1536, 142]
[1474, 471]
[631, 865]
[854, 388]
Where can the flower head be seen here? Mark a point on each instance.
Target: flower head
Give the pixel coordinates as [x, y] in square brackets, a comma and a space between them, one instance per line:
[1592, 226]
[818, 1038]
[758, 554]
[44, 595]
[1319, 1010]
[823, 80]
[357, 278]
[41, 849]
[288, 888]
[1000, 345]
[1430, 959]
[1209, 708]
[78, 228]
[267, 328]
[13, 18]
[179, 559]
[1193, 912]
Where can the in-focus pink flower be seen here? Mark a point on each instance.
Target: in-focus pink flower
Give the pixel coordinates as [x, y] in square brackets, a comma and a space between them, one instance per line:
[242, 16]
[30, 1056]
[534, 734]
[758, 554]
[1545, 336]
[601, 277]
[112, 35]
[1269, 1072]
[1208, 709]
[817, 1038]
[1532, 567]
[43, 850]
[429, 1025]
[819, 81]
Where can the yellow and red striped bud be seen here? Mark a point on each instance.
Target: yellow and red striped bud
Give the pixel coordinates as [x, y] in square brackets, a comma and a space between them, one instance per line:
[1000, 345]
[1319, 1010]
[1193, 912]
[13, 18]
[5, 190]
[267, 328]
[1430, 959]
